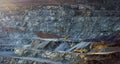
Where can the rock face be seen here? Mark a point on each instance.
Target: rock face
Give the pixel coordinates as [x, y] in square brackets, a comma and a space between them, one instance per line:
[59, 21]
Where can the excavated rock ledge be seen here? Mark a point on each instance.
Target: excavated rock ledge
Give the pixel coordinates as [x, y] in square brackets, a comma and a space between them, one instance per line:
[74, 58]
[89, 58]
[65, 57]
[25, 60]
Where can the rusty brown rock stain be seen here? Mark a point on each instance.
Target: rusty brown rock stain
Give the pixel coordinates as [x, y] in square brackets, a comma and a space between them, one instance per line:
[44, 35]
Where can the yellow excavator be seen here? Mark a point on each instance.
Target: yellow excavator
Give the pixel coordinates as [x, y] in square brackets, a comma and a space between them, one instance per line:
[81, 51]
